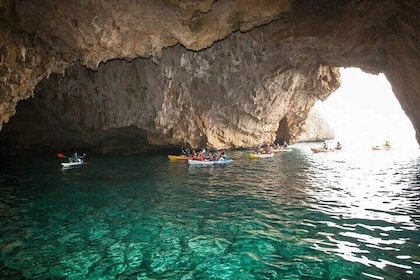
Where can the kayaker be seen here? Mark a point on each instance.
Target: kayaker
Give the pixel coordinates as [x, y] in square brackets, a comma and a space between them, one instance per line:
[76, 158]
[338, 146]
[185, 151]
[222, 154]
[212, 156]
[73, 158]
[325, 146]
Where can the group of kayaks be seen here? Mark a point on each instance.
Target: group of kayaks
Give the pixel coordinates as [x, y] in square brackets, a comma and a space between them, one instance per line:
[195, 161]
[375, 148]
[223, 160]
[325, 149]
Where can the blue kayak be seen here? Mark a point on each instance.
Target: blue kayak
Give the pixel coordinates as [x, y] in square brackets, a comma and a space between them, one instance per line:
[209, 162]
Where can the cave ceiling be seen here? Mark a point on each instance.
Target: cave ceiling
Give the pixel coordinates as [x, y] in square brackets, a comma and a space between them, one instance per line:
[120, 76]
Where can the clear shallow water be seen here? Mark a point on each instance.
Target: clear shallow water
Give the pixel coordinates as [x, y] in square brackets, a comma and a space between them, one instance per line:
[298, 215]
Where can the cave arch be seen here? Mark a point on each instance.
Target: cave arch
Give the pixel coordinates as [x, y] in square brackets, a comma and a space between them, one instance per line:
[365, 112]
[238, 52]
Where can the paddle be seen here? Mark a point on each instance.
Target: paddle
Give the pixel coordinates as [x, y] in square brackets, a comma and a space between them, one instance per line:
[60, 155]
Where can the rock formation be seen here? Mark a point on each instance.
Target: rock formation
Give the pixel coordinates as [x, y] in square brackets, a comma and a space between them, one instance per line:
[125, 77]
[315, 128]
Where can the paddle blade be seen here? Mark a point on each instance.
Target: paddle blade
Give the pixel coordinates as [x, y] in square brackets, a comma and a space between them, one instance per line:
[60, 155]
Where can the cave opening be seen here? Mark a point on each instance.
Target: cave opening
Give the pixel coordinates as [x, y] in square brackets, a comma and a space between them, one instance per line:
[364, 112]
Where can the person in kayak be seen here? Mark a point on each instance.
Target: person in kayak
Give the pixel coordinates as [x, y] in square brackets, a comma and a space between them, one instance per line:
[76, 158]
[185, 151]
[222, 155]
[325, 146]
[338, 146]
[267, 149]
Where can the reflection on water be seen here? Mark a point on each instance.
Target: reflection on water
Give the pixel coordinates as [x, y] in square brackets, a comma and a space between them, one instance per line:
[375, 204]
[297, 215]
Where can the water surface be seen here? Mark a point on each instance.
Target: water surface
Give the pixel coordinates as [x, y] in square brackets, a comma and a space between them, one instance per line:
[298, 215]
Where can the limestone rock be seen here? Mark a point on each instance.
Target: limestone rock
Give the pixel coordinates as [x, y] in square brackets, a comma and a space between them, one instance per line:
[315, 128]
[147, 74]
[189, 97]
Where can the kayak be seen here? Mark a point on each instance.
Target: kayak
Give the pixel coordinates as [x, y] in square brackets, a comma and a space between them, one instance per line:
[381, 148]
[281, 150]
[69, 164]
[252, 155]
[209, 162]
[322, 150]
[181, 157]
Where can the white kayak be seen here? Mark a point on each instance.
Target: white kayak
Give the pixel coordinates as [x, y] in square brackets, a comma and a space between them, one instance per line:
[282, 149]
[209, 162]
[322, 150]
[70, 164]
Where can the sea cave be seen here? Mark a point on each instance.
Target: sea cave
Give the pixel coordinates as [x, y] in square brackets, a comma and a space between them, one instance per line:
[137, 76]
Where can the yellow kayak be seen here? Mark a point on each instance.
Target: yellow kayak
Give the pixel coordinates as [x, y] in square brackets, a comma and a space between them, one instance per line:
[181, 157]
[253, 155]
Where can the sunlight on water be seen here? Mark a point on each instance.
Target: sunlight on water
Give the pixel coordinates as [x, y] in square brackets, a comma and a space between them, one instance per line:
[358, 191]
[353, 214]
[298, 215]
[364, 112]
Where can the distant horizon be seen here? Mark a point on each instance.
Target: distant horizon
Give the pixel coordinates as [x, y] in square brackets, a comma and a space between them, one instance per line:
[364, 111]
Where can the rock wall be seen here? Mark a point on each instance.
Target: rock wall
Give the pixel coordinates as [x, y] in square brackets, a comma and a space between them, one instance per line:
[223, 73]
[232, 95]
[315, 128]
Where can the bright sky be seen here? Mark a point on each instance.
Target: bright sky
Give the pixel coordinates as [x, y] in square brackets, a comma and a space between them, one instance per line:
[365, 111]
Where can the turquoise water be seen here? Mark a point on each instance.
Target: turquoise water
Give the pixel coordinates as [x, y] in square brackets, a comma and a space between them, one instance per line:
[298, 215]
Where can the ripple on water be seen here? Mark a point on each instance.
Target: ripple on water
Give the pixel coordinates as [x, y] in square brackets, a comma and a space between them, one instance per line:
[295, 216]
